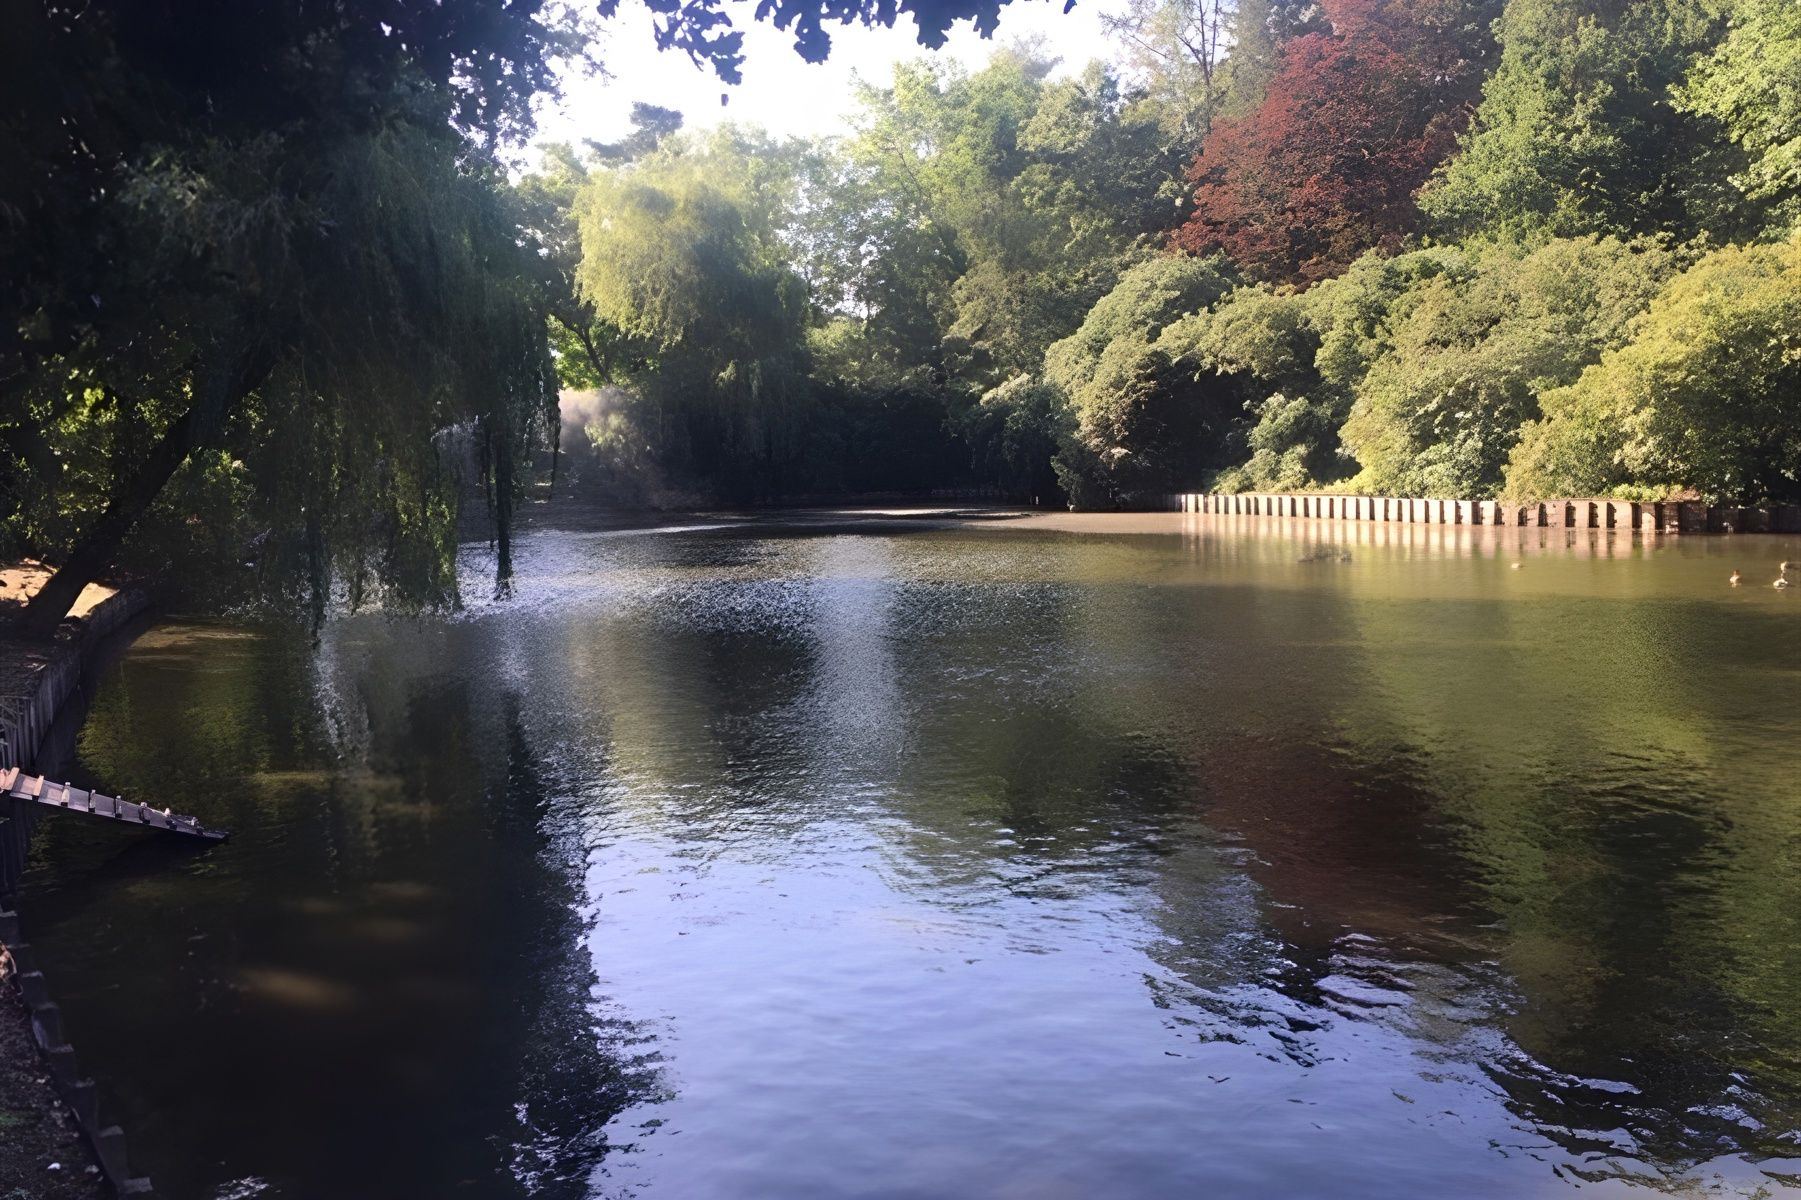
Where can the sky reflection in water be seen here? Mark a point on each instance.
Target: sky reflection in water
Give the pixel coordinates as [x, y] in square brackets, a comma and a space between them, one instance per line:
[933, 862]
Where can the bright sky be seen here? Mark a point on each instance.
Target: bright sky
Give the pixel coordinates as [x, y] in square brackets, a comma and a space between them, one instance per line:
[782, 92]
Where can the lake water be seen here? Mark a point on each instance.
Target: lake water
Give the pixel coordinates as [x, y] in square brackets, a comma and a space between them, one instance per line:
[1074, 857]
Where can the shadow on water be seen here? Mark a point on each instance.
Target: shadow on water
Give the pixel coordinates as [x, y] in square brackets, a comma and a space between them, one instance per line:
[998, 862]
[376, 989]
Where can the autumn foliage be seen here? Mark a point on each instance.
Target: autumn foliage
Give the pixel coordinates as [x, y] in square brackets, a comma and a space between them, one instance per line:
[1325, 167]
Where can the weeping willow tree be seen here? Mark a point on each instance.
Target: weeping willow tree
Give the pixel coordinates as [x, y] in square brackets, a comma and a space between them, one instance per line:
[424, 335]
[682, 255]
[378, 299]
[256, 269]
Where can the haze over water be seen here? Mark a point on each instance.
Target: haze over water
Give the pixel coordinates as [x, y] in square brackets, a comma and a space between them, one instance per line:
[1127, 857]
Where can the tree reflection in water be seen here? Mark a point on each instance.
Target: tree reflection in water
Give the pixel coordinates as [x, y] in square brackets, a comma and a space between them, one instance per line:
[975, 860]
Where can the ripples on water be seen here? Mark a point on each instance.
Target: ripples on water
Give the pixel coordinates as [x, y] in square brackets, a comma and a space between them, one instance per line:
[937, 862]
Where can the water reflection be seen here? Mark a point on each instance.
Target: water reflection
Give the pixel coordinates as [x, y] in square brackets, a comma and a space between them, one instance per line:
[976, 862]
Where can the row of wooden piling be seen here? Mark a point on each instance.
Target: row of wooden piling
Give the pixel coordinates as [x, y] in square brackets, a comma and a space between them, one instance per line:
[1665, 516]
[18, 964]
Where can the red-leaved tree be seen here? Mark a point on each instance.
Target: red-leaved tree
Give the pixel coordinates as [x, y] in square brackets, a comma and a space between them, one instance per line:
[1355, 119]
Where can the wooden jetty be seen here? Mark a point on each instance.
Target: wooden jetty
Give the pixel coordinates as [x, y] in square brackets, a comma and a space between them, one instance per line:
[35, 789]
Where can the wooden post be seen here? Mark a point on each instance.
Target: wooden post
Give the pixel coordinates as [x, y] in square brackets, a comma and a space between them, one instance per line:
[1725, 518]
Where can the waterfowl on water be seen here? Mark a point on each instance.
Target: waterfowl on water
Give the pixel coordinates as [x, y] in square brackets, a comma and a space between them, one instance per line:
[1733, 578]
[1781, 581]
[1517, 566]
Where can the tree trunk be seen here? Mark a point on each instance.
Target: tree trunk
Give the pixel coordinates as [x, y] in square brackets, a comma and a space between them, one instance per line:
[556, 453]
[100, 542]
[582, 334]
[503, 512]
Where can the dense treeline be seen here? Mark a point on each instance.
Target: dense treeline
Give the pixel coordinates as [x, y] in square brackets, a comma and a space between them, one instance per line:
[277, 307]
[269, 309]
[1432, 247]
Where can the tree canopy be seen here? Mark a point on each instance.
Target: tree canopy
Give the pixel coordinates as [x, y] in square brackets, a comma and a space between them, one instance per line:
[1578, 131]
[1702, 396]
[1354, 118]
[1365, 244]
[263, 260]
[279, 311]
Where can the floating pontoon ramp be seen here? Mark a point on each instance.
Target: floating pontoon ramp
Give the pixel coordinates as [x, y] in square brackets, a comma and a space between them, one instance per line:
[36, 789]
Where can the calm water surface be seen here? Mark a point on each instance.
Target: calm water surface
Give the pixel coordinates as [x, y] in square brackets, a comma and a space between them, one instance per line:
[1131, 859]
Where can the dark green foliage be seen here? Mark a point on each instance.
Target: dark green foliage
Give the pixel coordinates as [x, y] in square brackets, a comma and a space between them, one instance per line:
[1457, 362]
[972, 222]
[1143, 422]
[1706, 394]
[1014, 431]
[274, 266]
[1260, 346]
[1579, 133]
[1750, 83]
